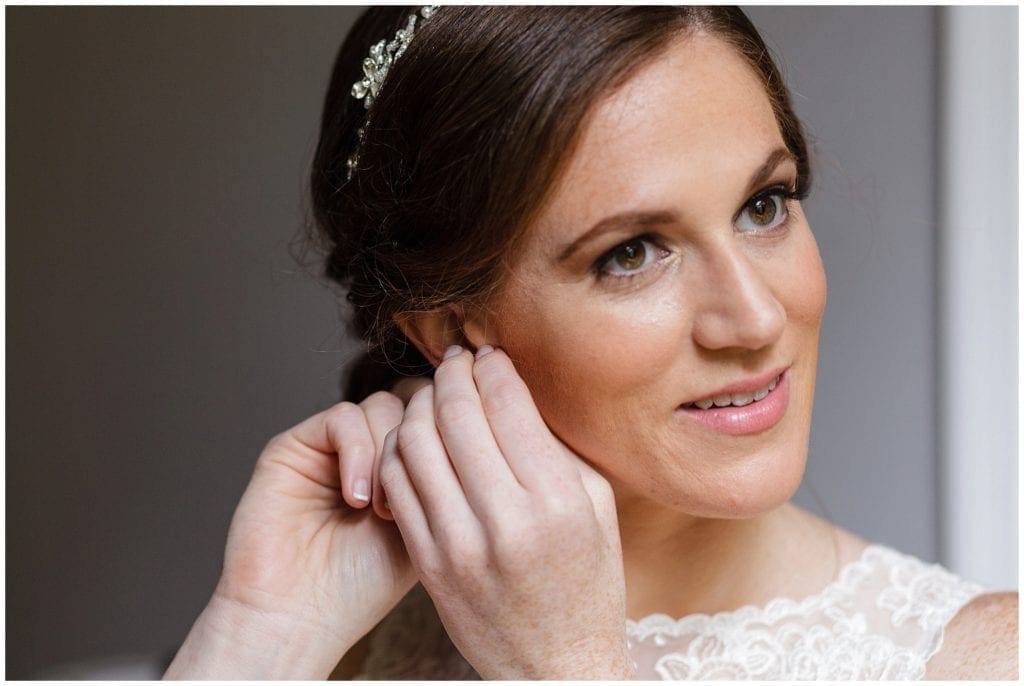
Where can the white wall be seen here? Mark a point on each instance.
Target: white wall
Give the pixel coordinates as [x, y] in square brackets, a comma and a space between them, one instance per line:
[977, 287]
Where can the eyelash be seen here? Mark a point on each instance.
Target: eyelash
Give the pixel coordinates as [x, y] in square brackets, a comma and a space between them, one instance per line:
[784, 192]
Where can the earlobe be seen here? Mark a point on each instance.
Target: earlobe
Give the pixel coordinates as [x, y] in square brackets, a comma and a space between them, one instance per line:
[434, 332]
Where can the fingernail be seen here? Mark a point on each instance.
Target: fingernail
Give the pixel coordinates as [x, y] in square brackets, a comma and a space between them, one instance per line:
[484, 350]
[361, 490]
[452, 351]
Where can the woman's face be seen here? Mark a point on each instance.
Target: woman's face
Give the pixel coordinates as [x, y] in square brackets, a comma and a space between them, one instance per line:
[667, 269]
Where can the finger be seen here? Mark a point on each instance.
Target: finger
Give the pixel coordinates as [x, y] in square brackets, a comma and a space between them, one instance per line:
[337, 450]
[383, 413]
[355, 465]
[403, 503]
[430, 470]
[533, 453]
[467, 437]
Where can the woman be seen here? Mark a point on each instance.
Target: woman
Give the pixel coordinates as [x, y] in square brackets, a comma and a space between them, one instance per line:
[586, 223]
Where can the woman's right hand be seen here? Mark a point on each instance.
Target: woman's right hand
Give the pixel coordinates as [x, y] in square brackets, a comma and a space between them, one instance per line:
[308, 568]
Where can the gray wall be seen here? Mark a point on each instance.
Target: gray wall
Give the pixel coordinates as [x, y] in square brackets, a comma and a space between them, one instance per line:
[158, 332]
[864, 82]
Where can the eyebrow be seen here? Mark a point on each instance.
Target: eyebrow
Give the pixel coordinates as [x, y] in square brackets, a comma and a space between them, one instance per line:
[764, 172]
[647, 219]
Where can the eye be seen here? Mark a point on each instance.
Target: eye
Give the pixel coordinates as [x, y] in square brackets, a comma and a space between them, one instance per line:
[629, 258]
[765, 211]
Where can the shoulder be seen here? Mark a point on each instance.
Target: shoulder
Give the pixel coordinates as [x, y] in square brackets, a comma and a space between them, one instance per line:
[980, 642]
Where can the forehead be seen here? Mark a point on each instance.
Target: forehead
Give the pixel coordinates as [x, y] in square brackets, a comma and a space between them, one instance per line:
[696, 113]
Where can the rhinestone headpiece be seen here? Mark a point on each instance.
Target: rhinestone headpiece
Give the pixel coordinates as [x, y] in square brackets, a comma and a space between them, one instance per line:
[375, 68]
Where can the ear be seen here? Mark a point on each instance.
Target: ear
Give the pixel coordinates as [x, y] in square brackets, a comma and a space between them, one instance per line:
[434, 332]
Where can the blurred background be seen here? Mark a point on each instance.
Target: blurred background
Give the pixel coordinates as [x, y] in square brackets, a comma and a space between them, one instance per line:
[159, 331]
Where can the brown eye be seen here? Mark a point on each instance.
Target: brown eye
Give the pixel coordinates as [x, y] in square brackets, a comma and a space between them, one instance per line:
[631, 256]
[762, 211]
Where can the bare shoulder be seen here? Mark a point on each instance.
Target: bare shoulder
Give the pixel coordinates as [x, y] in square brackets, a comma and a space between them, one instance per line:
[980, 641]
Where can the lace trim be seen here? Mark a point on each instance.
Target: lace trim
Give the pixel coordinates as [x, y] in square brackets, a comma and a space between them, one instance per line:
[883, 617]
[843, 585]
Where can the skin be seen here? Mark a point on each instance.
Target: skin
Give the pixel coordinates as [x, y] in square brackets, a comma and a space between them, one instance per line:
[606, 352]
[546, 490]
[609, 360]
[717, 305]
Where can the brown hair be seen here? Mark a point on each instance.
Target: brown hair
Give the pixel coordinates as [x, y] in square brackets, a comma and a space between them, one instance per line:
[469, 133]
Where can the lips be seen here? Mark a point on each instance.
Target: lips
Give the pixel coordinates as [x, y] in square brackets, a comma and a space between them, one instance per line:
[747, 407]
[737, 399]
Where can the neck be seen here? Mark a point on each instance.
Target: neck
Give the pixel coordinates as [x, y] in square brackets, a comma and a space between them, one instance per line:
[678, 564]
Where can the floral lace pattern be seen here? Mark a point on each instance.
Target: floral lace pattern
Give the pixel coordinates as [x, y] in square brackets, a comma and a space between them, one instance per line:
[882, 618]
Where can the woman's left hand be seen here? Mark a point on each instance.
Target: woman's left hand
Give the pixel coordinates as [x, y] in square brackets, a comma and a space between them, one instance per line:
[514, 537]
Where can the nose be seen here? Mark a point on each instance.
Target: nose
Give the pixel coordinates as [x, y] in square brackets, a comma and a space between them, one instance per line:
[738, 308]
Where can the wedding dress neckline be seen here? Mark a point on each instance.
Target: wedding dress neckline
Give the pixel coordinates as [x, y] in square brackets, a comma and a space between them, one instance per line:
[881, 617]
[776, 606]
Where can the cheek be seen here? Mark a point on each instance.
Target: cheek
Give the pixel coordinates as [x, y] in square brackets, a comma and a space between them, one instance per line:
[806, 289]
[607, 372]
[598, 367]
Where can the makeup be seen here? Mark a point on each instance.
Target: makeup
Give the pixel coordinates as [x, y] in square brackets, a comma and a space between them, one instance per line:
[753, 417]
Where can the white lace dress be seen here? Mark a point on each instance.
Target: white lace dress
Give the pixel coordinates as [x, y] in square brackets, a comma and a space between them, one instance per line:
[882, 618]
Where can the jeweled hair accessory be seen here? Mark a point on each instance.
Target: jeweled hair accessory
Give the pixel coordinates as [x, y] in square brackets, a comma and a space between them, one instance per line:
[375, 68]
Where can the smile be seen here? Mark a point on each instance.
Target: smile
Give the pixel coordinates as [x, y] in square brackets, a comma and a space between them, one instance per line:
[745, 408]
[736, 399]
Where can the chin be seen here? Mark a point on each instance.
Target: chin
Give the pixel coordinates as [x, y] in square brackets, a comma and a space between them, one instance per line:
[742, 490]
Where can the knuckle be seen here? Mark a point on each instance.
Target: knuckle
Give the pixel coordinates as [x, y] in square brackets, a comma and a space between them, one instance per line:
[342, 412]
[382, 403]
[447, 367]
[277, 443]
[423, 394]
[346, 427]
[410, 436]
[504, 395]
[567, 508]
[453, 411]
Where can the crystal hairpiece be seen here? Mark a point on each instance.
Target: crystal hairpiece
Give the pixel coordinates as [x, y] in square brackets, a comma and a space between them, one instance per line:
[375, 68]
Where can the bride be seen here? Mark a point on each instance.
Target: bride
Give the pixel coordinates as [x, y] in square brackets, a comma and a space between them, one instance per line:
[581, 227]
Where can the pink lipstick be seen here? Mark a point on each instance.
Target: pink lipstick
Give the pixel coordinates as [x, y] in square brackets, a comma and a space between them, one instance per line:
[748, 407]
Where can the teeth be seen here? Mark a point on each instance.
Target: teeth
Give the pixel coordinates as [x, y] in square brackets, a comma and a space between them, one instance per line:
[736, 399]
[741, 399]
